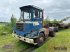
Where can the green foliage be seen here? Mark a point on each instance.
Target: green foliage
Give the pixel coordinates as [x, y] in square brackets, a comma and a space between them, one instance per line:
[13, 21]
[46, 21]
[5, 28]
[8, 28]
[8, 43]
[14, 44]
[55, 21]
[61, 40]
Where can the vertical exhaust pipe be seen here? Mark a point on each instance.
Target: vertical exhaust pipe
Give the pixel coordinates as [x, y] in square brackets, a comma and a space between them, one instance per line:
[43, 18]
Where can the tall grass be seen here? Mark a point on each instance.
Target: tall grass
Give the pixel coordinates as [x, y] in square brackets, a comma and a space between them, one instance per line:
[6, 28]
[61, 40]
[9, 43]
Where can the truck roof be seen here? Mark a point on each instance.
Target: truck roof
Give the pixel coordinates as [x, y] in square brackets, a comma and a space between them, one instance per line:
[30, 7]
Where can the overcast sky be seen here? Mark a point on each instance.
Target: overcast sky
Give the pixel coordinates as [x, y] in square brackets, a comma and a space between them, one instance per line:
[55, 9]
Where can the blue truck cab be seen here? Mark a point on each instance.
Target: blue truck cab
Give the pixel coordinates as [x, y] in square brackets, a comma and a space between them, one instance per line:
[30, 27]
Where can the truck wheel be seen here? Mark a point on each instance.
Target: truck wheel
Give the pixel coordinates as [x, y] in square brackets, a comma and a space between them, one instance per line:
[52, 34]
[40, 39]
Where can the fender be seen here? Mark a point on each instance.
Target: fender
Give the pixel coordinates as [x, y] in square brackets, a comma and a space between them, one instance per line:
[45, 31]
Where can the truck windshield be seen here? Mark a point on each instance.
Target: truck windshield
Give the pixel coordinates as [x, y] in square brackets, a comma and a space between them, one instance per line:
[25, 16]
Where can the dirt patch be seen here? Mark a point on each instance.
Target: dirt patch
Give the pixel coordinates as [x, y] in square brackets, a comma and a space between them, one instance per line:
[31, 48]
[7, 48]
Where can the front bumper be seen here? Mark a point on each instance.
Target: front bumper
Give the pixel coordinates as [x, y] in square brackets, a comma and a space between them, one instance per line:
[27, 40]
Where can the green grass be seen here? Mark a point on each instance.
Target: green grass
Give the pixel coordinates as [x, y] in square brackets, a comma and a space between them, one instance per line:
[8, 43]
[11, 44]
[61, 40]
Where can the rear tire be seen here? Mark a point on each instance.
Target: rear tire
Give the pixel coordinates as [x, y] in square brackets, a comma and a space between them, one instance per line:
[52, 34]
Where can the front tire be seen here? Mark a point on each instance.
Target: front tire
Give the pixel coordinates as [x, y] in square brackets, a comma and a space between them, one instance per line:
[40, 40]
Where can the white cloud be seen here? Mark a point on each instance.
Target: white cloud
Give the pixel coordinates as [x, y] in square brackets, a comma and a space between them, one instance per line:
[53, 8]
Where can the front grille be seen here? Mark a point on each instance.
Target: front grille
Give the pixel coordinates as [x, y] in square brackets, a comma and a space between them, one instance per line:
[19, 26]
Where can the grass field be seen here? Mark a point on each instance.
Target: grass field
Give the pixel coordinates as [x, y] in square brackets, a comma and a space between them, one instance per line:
[8, 43]
[59, 43]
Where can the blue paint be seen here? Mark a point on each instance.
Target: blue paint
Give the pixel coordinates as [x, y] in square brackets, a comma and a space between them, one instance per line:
[28, 27]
